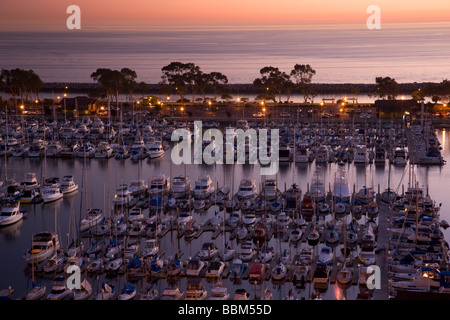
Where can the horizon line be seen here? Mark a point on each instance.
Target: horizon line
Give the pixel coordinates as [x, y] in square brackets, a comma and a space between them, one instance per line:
[215, 27]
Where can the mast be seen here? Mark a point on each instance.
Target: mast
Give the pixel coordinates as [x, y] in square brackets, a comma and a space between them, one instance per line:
[417, 213]
[6, 146]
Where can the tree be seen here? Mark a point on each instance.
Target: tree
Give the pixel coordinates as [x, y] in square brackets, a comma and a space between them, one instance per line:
[128, 82]
[418, 95]
[289, 86]
[180, 76]
[265, 97]
[273, 80]
[217, 81]
[164, 89]
[437, 92]
[111, 81]
[386, 87]
[197, 80]
[435, 99]
[302, 75]
[19, 82]
[201, 82]
[226, 97]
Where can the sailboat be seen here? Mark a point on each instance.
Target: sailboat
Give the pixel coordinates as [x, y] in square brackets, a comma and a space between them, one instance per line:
[84, 292]
[60, 291]
[279, 271]
[317, 190]
[365, 195]
[313, 237]
[344, 275]
[107, 292]
[38, 289]
[341, 190]
[388, 195]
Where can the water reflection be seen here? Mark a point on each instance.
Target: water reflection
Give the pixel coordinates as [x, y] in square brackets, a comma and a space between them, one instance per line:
[11, 232]
[103, 176]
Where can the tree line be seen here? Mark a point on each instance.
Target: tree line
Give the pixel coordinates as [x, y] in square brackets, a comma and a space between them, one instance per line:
[20, 84]
[188, 78]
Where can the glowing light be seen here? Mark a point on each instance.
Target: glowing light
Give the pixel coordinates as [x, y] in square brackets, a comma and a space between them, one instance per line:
[22, 107]
[337, 293]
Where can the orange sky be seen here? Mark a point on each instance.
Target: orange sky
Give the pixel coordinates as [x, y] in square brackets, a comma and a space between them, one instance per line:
[51, 14]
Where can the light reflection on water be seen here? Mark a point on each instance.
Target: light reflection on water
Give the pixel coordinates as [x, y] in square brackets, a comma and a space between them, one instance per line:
[104, 175]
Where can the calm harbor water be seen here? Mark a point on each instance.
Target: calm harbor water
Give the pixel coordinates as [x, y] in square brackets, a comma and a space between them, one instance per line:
[339, 54]
[103, 176]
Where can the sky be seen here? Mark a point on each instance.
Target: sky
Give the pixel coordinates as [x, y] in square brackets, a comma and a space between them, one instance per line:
[119, 14]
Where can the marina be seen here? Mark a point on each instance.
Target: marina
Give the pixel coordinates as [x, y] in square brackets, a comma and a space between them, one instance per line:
[144, 228]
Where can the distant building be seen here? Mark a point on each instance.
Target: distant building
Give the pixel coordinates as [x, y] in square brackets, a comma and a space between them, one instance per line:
[149, 101]
[79, 105]
[394, 108]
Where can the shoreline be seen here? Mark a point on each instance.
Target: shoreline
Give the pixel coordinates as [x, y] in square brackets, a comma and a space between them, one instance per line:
[242, 88]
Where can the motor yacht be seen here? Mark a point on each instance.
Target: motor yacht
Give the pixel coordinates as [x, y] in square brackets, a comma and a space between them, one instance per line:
[203, 187]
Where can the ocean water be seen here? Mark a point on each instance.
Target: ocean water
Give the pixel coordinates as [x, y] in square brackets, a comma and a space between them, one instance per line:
[339, 54]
